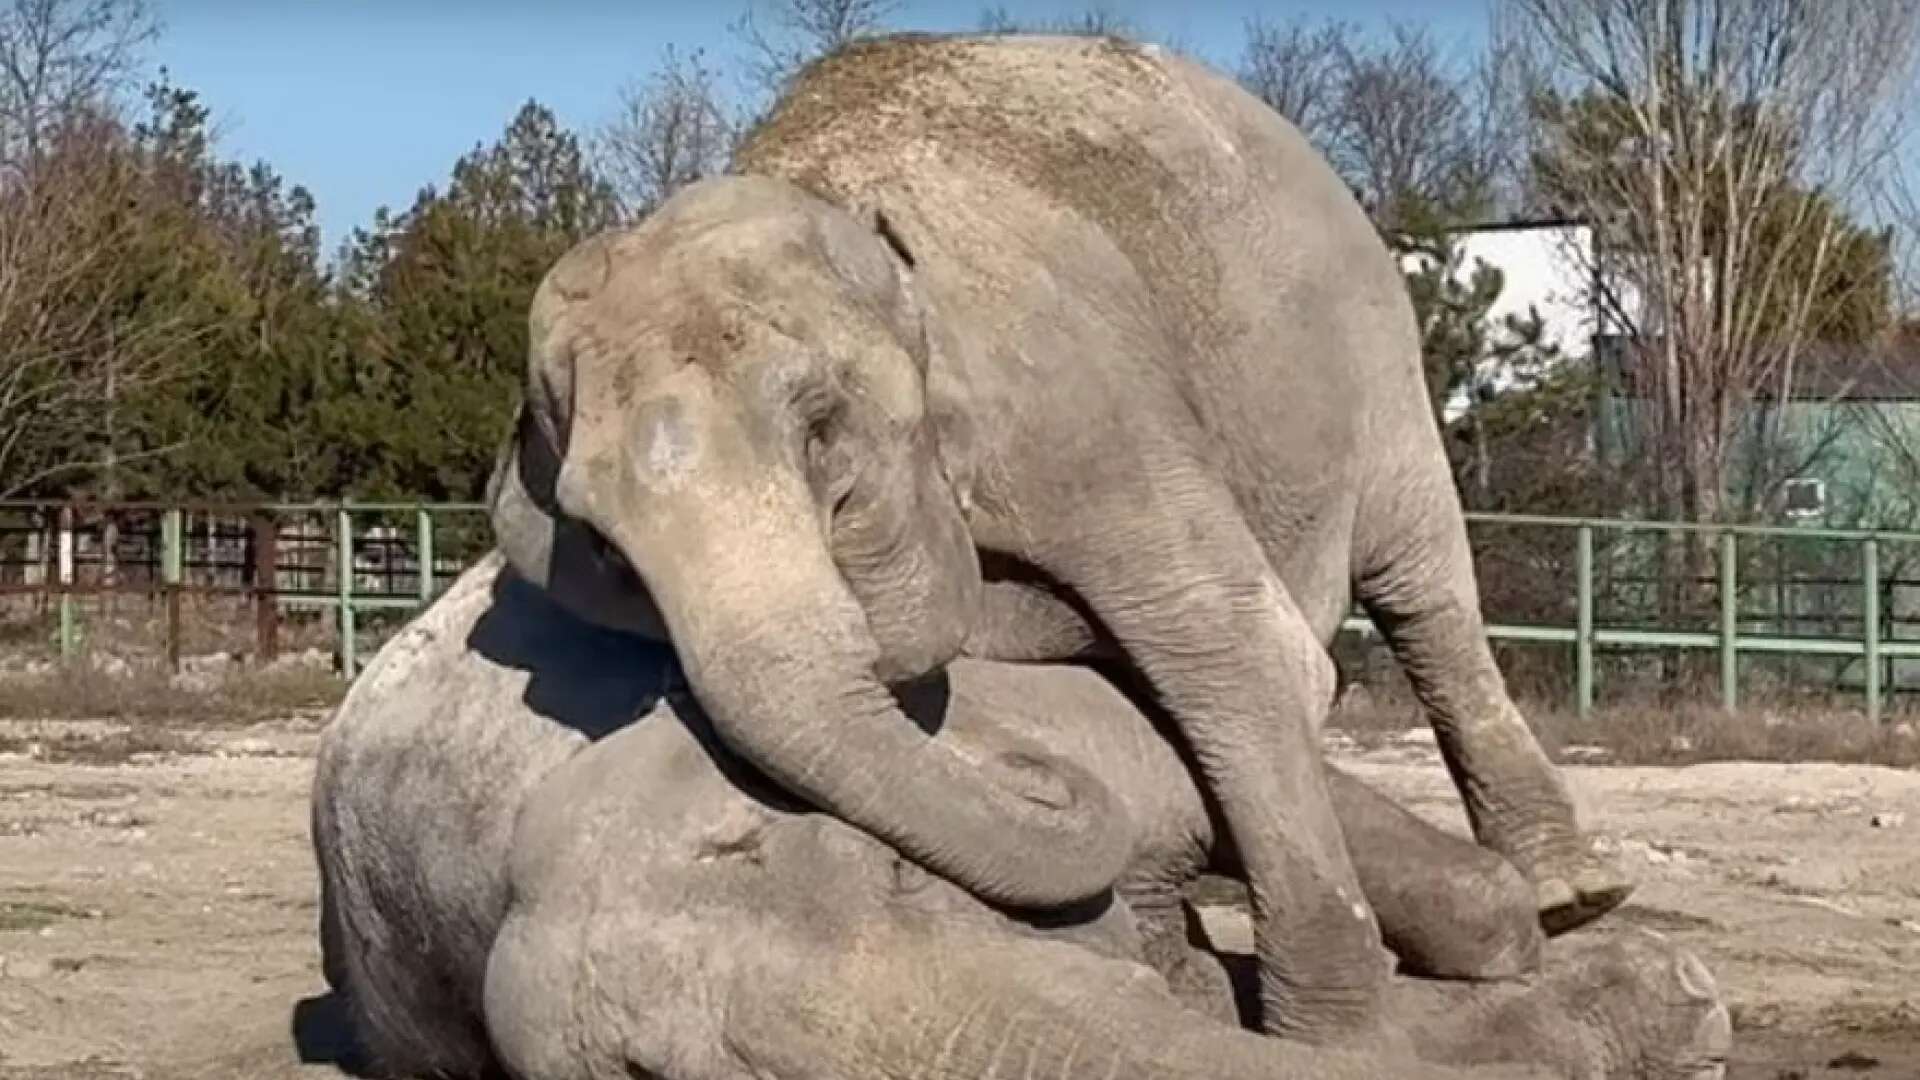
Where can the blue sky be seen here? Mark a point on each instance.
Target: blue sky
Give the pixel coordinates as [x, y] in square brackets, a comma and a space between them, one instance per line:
[365, 101]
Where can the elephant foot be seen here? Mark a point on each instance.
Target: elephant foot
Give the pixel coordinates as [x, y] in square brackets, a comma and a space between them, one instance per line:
[1572, 883]
[1619, 1007]
[1572, 892]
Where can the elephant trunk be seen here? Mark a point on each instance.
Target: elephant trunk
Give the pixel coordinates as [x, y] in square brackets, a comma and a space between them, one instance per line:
[778, 651]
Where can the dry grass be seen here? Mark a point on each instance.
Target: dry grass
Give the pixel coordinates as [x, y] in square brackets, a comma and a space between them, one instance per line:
[152, 699]
[120, 746]
[27, 916]
[1684, 733]
[1691, 733]
[134, 627]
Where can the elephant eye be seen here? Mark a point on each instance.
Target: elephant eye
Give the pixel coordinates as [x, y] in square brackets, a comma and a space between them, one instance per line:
[817, 444]
[828, 468]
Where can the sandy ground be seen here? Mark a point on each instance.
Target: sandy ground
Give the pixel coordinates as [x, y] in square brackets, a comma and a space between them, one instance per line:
[156, 915]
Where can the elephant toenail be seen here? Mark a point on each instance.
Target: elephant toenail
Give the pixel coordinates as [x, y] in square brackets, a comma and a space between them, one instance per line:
[1035, 782]
[1714, 1036]
[1695, 979]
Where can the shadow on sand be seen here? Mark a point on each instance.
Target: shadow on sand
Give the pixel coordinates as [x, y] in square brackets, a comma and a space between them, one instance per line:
[323, 1035]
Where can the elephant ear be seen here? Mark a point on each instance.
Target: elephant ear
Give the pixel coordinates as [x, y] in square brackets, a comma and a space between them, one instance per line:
[520, 499]
[950, 409]
[949, 404]
[555, 553]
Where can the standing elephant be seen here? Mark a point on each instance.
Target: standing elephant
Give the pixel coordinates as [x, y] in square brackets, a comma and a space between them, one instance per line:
[985, 319]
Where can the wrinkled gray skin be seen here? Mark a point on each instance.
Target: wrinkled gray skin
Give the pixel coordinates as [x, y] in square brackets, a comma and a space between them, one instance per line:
[501, 889]
[1060, 312]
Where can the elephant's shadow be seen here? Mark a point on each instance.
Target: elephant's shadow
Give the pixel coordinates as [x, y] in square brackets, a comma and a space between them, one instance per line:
[580, 676]
[323, 1035]
[597, 681]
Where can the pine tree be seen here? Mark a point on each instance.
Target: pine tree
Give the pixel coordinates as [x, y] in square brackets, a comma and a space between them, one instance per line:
[440, 339]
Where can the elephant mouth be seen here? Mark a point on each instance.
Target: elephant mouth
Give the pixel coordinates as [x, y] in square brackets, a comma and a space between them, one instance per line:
[611, 564]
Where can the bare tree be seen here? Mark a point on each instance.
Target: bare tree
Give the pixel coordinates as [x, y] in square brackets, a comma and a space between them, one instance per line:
[58, 57]
[1096, 20]
[1297, 70]
[781, 36]
[73, 336]
[670, 130]
[68, 343]
[1404, 127]
[1720, 148]
[1902, 212]
[1407, 126]
[998, 20]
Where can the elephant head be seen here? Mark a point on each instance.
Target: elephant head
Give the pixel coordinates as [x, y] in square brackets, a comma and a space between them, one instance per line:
[739, 434]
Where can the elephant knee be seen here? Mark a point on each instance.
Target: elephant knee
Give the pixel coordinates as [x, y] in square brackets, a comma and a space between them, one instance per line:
[1481, 923]
[530, 1029]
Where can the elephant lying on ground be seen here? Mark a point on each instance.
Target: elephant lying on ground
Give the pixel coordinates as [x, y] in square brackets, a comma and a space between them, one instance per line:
[1059, 314]
[531, 859]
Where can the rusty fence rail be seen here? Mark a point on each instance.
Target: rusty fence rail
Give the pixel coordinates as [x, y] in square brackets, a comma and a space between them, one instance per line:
[341, 561]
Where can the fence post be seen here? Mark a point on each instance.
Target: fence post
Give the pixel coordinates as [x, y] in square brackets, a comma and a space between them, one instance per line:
[1583, 634]
[423, 552]
[172, 570]
[266, 587]
[1729, 621]
[343, 540]
[67, 643]
[172, 544]
[1870, 615]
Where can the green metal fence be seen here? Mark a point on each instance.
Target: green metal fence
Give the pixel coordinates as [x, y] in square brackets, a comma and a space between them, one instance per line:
[347, 602]
[337, 583]
[1732, 633]
[1863, 599]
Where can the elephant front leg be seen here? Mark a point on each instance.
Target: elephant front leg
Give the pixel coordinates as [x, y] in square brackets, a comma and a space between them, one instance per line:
[1447, 908]
[1186, 592]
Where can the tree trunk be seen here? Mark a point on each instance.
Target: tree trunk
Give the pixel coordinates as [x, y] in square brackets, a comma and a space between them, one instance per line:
[110, 472]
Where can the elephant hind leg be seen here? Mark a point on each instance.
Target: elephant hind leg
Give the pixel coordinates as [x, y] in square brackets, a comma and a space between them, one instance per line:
[405, 1017]
[1415, 578]
[1447, 908]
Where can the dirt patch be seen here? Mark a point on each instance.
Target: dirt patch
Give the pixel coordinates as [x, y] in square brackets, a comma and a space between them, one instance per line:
[116, 747]
[175, 886]
[180, 885]
[1797, 884]
[209, 695]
